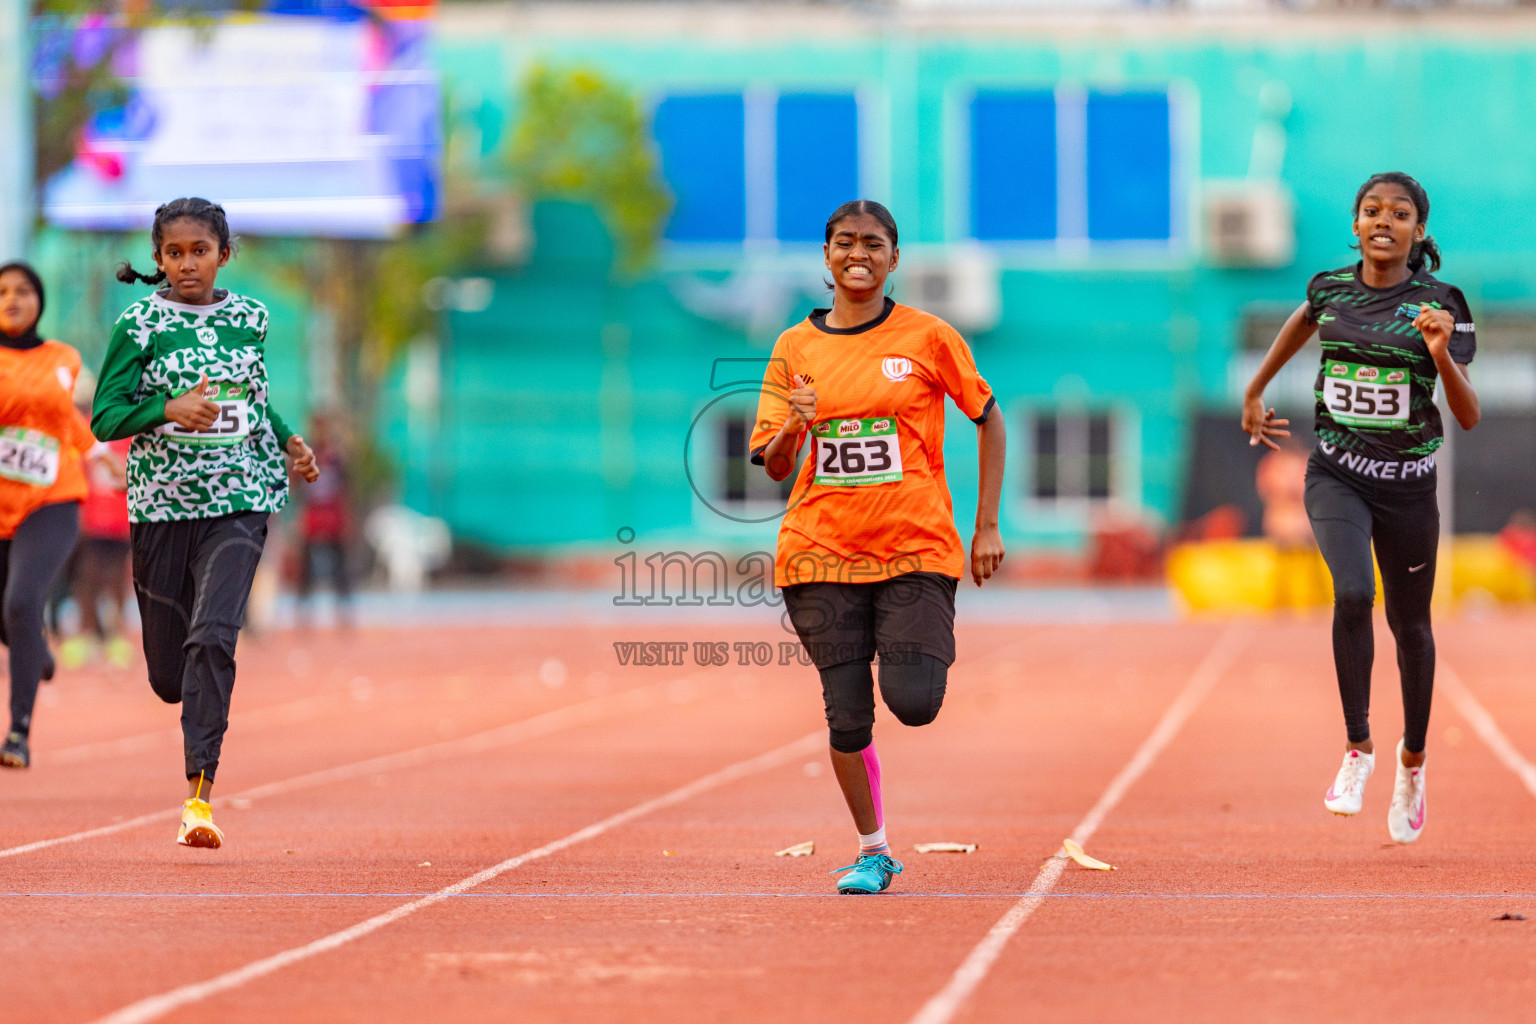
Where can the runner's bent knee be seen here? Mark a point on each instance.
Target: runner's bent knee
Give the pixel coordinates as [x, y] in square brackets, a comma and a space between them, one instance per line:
[912, 684]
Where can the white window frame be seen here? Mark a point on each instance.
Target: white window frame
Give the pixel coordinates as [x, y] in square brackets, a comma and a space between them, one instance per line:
[760, 103]
[1124, 461]
[1072, 246]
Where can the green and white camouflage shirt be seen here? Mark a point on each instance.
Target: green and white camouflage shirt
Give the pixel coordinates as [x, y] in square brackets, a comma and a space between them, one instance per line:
[159, 349]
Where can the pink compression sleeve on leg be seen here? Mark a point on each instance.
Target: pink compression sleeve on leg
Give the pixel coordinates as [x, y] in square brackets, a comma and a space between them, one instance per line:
[872, 771]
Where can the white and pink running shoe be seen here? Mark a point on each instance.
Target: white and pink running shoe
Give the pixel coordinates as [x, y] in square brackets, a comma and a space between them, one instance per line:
[1348, 790]
[1405, 818]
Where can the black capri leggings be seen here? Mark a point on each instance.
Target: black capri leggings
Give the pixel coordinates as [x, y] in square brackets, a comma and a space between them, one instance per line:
[1405, 526]
[908, 619]
[29, 561]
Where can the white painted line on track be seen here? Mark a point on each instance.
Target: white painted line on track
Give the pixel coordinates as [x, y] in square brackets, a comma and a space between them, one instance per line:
[160, 1005]
[947, 1002]
[1486, 728]
[606, 706]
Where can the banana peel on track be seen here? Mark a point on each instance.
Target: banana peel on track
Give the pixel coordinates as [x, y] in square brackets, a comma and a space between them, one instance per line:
[1075, 851]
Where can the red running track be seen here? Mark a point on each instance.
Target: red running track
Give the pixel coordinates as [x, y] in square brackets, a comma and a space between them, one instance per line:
[364, 774]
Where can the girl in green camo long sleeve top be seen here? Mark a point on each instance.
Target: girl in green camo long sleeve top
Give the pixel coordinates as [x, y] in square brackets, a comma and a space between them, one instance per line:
[185, 377]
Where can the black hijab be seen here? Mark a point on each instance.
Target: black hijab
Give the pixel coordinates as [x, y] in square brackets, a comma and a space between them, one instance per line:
[28, 338]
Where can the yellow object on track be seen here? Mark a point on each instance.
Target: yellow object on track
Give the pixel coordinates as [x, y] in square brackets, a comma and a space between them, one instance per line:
[1076, 853]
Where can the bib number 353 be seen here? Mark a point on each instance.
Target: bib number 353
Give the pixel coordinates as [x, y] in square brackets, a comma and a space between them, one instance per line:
[232, 426]
[1366, 396]
[851, 453]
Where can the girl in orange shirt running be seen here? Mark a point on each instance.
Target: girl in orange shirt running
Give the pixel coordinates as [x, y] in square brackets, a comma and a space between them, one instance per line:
[42, 441]
[868, 554]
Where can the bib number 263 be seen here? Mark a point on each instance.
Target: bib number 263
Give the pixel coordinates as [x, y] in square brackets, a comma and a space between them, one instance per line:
[857, 452]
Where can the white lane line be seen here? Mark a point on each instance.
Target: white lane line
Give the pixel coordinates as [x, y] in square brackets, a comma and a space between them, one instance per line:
[160, 1005]
[1486, 728]
[606, 706]
[944, 1005]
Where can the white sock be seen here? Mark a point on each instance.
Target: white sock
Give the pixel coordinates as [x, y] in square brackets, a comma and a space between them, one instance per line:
[874, 842]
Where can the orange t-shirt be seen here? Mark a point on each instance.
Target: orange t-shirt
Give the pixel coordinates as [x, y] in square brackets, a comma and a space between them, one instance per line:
[42, 435]
[871, 500]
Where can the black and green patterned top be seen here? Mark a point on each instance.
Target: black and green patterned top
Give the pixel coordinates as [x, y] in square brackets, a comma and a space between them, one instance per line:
[159, 349]
[1376, 386]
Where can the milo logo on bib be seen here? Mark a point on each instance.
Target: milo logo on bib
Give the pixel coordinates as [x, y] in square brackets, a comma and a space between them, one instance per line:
[855, 453]
[1367, 373]
[1397, 376]
[1339, 370]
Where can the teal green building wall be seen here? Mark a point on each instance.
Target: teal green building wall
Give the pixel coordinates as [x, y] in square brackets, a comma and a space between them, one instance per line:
[568, 400]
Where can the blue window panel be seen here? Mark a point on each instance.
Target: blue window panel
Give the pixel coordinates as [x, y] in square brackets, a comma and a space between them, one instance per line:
[816, 159]
[1129, 167]
[1013, 166]
[703, 157]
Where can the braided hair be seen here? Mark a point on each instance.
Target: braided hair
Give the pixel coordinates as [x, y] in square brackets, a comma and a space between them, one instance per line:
[1424, 251]
[209, 214]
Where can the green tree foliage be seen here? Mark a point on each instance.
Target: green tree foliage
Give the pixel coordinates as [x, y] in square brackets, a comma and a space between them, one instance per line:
[584, 138]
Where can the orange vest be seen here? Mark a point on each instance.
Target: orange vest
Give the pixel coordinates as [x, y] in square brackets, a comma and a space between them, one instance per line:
[38, 424]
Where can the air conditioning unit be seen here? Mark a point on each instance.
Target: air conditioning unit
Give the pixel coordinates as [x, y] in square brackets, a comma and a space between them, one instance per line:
[1249, 224]
[959, 284]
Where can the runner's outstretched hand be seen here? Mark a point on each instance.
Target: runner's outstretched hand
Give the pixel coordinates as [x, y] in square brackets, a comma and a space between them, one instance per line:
[1261, 425]
[303, 459]
[190, 409]
[986, 553]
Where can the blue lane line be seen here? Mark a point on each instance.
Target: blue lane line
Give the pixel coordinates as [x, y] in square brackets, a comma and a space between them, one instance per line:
[778, 895]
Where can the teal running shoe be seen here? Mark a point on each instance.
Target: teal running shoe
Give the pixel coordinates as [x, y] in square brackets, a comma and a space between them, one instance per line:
[872, 873]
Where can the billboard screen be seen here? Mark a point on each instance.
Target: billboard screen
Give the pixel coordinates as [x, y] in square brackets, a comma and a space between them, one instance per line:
[319, 123]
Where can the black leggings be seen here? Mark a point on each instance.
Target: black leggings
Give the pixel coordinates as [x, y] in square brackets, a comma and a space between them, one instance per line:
[29, 561]
[911, 684]
[1405, 526]
[193, 578]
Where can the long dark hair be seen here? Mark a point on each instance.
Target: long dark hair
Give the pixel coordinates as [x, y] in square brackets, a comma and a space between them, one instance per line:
[1423, 251]
[211, 215]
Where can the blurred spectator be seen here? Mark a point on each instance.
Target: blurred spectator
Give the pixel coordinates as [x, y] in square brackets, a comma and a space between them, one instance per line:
[100, 577]
[326, 520]
[1281, 480]
[1519, 537]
